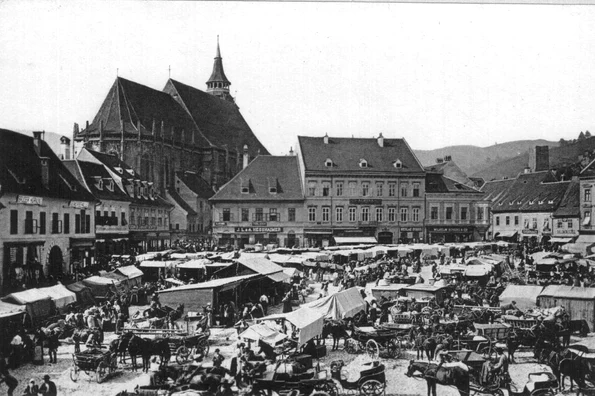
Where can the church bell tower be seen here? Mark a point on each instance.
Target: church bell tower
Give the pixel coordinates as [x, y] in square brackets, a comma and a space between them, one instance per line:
[218, 84]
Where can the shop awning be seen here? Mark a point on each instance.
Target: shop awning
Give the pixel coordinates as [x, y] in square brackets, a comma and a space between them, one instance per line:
[308, 321]
[354, 240]
[130, 271]
[60, 295]
[506, 234]
[158, 264]
[560, 240]
[8, 310]
[278, 276]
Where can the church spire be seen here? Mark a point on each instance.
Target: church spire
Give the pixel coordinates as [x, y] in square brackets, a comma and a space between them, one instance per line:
[218, 84]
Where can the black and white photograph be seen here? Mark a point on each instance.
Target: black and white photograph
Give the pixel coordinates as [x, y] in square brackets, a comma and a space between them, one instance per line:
[278, 198]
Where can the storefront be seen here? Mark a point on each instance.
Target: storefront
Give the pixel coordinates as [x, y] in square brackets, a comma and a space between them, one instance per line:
[450, 234]
[82, 252]
[253, 235]
[21, 264]
[410, 234]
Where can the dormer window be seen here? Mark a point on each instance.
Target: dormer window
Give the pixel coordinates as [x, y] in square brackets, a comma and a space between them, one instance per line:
[118, 169]
[398, 164]
[109, 184]
[531, 202]
[131, 171]
[272, 185]
[363, 163]
[328, 163]
[244, 186]
[540, 202]
[98, 182]
[550, 202]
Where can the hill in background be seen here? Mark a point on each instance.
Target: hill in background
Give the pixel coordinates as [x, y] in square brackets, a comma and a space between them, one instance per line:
[473, 159]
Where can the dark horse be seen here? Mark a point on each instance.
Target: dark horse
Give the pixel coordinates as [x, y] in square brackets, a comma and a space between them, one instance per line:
[517, 338]
[337, 329]
[172, 314]
[448, 376]
[145, 348]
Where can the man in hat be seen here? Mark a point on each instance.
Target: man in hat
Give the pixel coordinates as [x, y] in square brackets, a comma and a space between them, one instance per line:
[217, 358]
[32, 389]
[48, 388]
[501, 366]
[224, 388]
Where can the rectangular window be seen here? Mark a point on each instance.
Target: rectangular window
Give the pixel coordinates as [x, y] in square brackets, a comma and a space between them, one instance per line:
[353, 189]
[291, 214]
[416, 189]
[365, 189]
[392, 214]
[326, 189]
[87, 224]
[273, 215]
[258, 216]
[83, 219]
[497, 220]
[449, 213]
[464, 213]
[365, 213]
[226, 214]
[479, 215]
[28, 222]
[434, 213]
[415, 214]
[404, 188]
[587, 195]
[534, 223]
[77, 223]
[526, 223]
[339, 189]
[404, 214]
[123, 218]
[312, 189]
[42, 221]
[352, 214]
[391, 189]
[339, 214]
[507, 220]
[326, 213]
[66, 225]
[379, 214]
[245, 214]
[516, 220]
[560, 223]
[379, 189]
[569, 224]
[14, 222]
[55, 224]
[311, 213]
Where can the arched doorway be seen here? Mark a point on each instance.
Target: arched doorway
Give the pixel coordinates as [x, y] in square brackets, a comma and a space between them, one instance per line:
[385, 238]
[55, 261]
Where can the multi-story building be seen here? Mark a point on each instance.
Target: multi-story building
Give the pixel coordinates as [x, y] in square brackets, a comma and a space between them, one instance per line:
[455, 212]
[264, 203]
[361, 190]
[46, 212]
[567, 215]
[180, 128]
[195, 191]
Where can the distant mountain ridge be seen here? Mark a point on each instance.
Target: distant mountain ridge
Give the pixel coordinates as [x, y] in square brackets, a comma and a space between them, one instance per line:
[473, 159]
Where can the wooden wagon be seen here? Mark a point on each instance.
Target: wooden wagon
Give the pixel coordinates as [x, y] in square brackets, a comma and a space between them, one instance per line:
[495, 333]
[519, 323]
[95, 361]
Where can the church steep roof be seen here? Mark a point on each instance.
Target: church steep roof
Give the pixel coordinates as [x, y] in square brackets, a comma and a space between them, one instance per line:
[220, 121]
[218, 75]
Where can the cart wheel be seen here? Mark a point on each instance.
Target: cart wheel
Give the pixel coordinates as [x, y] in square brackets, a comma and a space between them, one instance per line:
[486, 352]
[372, 349]
[327, 388]
[350, 345]
[113, 363]
[203, 347]
[371, 388]
[543, 392]
[101, 372]
[319, 393]
[74, 374]
[394, 349]
[182, 354]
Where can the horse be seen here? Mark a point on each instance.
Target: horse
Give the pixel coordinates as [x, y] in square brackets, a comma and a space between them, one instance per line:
[517, 338]
[337, 329]
[119, 346]
[572, 367]
[449, 376]
[146, 348]
[429, 346]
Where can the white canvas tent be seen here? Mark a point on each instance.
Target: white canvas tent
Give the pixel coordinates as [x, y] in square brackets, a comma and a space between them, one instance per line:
[61, 296]
[309, 322]
[260, 331]
[345, 304]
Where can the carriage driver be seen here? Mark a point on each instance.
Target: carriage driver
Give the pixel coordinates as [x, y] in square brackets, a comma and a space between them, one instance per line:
[501, 367]
[155, 303]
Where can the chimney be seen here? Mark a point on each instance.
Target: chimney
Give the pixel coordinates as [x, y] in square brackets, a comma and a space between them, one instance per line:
[381, 140]
[527, 170]
[45, 172]
[64, 148]
[325, 138]
[539, 158]
[246, 157]
[38, 136]
[447, 158]
[439, 160]
[291, 151]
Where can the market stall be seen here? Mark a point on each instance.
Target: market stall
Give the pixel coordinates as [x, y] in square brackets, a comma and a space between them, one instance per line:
[133, 274]
[38, 304]
[524, 295]
[345, 304]
[61, 296]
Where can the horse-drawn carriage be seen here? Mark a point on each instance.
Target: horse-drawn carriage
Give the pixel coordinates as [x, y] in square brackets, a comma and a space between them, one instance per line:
[183, 345]
[519, 322]
[95, 361]
[371, 380]
[386, 338]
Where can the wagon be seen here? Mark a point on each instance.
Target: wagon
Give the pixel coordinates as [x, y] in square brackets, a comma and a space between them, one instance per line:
[181, 345]
[371, 380]
[495, 333]
[95, 361]
[307, 383]
[370, 339]
[519, 323]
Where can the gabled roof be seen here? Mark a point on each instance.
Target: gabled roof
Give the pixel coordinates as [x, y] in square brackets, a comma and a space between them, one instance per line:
[220, 121]
[197, 184]
[89, 171]
[570, 205]
[257, 177]
[131, 102]
[451, 170]
[20, 170]
[346, 154]
[438, 183]
[180, 202]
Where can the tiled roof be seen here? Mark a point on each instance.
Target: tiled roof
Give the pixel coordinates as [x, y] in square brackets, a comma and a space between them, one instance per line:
[346, 153]
[92, 170]
[20, 170]
[132, 102]
[219, 120]
[264, 172]
[529, 192]
[451, 170]
[197, 184]
[570, 206]
[438, 183]
[180, 201]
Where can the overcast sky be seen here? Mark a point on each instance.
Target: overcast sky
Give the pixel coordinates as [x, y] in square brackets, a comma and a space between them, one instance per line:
[434, 74]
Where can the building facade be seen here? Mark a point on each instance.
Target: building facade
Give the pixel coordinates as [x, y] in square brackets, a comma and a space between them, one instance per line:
[361, 188]
[47, 213]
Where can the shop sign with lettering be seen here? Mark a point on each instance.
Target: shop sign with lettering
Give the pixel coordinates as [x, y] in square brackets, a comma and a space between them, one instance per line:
[525, 231]
[258, 229]
[79, 204]
[450, 229]
[28, 200]
[259, 223]
[410, 229]
[220, 223]
[364, 201]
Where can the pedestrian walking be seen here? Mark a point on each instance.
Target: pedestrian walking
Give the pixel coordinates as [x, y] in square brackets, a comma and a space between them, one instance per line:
[48, 388]
[10, 381]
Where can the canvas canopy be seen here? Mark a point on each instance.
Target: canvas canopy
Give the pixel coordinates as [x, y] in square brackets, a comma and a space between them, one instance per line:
[61, 296]
[130, 271]
[28, 296]
[478, 270]
[8, 310]
[345, 304]
[308, 321]
[260, 331]
[184, 256]
[159, 264]
[195, 264]
[83, 293]
[100, 286]
[38, 304]
[355, 240]
[524, 295]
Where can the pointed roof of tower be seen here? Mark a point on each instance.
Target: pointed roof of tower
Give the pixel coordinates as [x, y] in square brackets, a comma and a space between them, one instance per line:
[218, 75]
